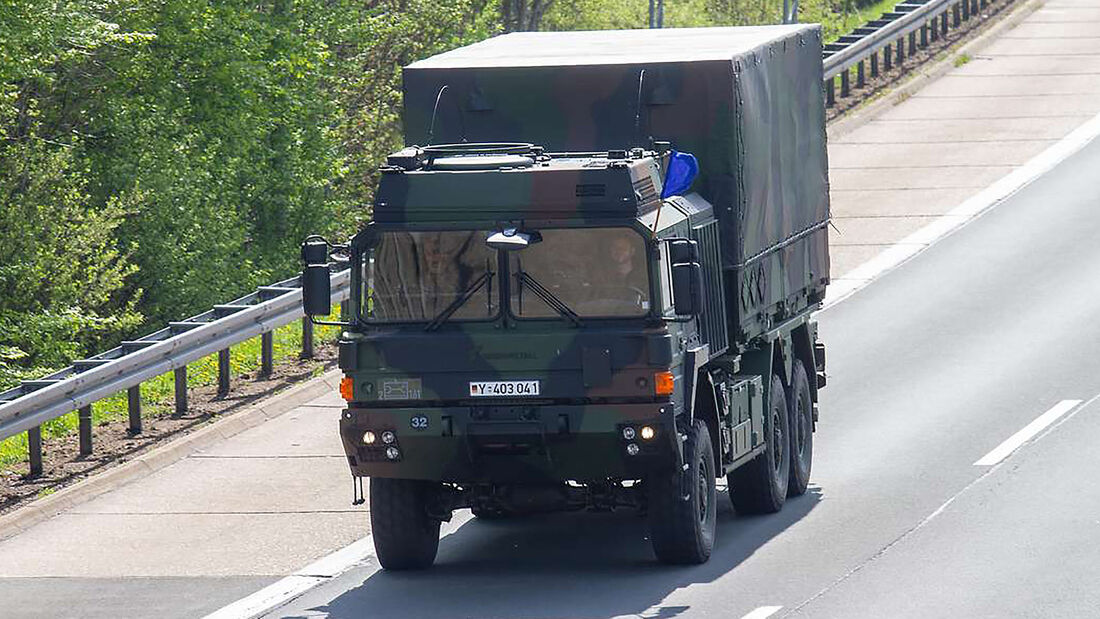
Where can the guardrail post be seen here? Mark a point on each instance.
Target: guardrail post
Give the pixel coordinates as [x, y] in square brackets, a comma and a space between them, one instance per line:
[34, 450]
[267, 353]
[844, 83]
[344, 311]
[307, 338]
[860, 80]
[830, 92]
[966, 10]
[887, 57]
[934, 29]
[956, 15]
[943, 23]
[133, 407]
[181, 389]
[874, 64]
[84, 428]
[223, 372]
[901, 51]
[924, 35]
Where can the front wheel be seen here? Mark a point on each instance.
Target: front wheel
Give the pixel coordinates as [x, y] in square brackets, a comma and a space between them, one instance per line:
[406, 537]
[682, 531]
[760, 485]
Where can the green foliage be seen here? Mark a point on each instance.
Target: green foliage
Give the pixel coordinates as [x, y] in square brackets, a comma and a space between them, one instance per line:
[160, 156]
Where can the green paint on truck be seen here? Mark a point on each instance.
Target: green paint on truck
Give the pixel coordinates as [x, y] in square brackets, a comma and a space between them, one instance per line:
[533, 327]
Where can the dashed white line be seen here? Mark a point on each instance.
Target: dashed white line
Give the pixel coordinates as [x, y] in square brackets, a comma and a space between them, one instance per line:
[1013, 442]
[763, 612]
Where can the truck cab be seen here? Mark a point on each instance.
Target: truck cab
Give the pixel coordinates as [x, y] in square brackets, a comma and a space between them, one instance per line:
[532, 331]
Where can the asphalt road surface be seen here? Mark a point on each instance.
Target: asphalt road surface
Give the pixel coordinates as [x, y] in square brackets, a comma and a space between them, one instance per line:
[930, 369]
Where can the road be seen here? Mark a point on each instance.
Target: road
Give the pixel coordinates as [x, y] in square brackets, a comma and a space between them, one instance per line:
[931, 368]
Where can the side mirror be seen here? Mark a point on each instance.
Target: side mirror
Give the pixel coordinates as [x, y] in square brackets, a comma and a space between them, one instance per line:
[687, 285]
[316, 283]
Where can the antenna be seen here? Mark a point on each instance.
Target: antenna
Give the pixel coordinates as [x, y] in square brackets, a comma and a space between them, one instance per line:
[435, 111]
[638, 108]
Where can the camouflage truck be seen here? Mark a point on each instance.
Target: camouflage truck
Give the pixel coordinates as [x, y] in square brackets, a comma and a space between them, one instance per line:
[556, 307]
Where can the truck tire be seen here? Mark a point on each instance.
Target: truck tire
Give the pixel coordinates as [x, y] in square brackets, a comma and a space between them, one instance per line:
[760, 485]
[405, 536]
[682, 531]
[801, 406]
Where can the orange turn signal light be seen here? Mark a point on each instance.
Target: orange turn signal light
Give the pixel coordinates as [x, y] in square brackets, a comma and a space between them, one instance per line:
[345, 388]
[662, 383]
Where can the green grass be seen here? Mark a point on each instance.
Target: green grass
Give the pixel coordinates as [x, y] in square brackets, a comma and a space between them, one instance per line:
[962, 59]
[157, 394]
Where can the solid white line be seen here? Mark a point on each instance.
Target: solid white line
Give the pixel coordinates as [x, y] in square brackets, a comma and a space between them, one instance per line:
[905, 249]
[763, 612]
[297, 583]
[1013, 442]
[310, 576]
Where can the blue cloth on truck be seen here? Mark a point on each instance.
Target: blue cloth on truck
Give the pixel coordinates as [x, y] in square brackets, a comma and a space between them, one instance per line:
[682, 170]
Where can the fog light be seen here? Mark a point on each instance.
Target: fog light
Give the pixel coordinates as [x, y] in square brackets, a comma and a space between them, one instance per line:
[648, 433]
[388, 437]
[628, 433]
[633, 449]
[369, 437]
[393, 453]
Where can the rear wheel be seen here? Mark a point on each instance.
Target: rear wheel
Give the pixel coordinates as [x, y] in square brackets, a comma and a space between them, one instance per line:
[801, 406]
[760, 486]
[405, 536]
[682, 531]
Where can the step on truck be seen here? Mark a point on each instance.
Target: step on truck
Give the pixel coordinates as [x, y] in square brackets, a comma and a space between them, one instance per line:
[587, 283]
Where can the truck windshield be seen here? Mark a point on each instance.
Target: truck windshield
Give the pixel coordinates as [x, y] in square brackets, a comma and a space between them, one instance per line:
[417, 276]
[592, 272]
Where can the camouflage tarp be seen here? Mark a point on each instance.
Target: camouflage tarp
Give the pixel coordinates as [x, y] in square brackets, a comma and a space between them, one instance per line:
[746, 101]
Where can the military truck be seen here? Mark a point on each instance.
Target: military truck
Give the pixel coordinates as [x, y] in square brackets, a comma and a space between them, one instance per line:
[587, 283]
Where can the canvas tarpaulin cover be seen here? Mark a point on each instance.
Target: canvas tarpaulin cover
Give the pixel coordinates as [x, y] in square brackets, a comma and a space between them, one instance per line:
[746, 101]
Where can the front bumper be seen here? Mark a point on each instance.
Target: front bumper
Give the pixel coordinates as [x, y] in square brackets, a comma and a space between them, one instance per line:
[520, 443]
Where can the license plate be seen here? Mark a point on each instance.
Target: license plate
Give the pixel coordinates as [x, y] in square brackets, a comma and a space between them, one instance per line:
[504, 388]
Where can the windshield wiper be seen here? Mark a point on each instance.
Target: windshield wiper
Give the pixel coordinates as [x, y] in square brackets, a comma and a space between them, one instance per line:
[555, 303]
[463, 297]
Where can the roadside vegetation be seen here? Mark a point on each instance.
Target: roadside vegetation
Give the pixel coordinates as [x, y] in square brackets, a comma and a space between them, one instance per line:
[158, 157]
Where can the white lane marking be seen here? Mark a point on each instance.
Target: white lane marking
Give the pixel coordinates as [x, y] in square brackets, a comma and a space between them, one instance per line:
[982, 202]
[1013, 442]
[310, 576]
[930, 517]
[763, 612]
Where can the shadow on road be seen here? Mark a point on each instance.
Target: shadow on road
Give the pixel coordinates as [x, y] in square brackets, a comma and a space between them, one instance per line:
[561, 565]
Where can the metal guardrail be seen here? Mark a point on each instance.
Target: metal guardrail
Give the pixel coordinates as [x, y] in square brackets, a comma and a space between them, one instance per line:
[124, 368]
[888, 35]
